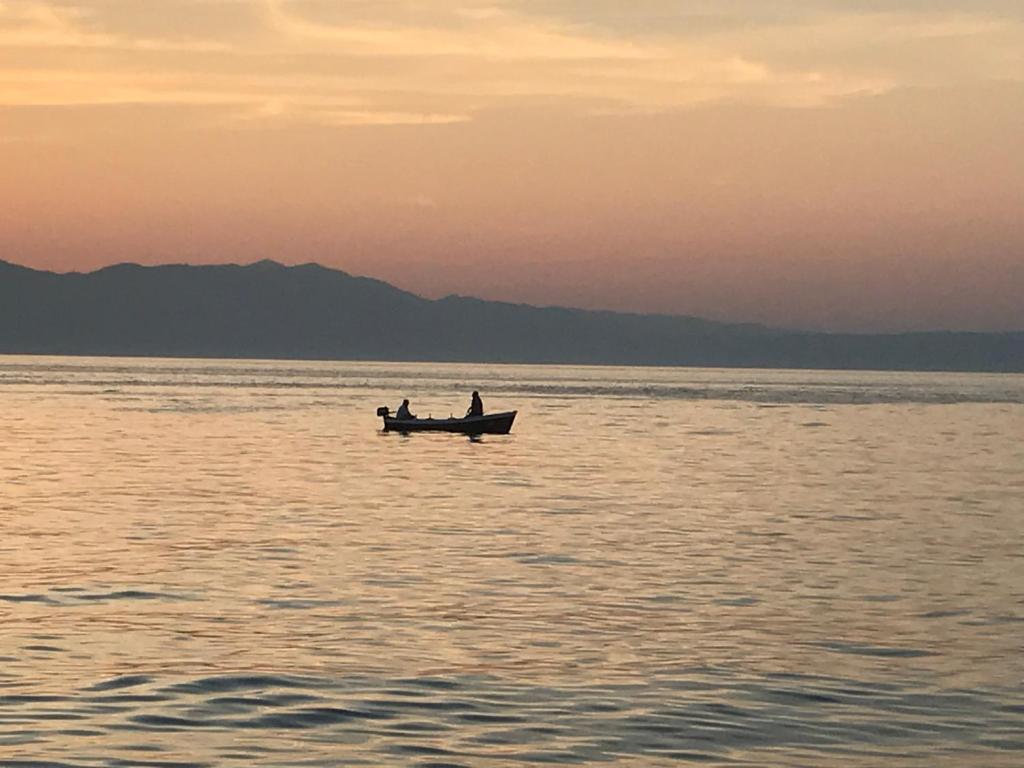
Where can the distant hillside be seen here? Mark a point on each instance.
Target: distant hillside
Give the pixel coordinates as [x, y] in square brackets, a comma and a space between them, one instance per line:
[267, 310]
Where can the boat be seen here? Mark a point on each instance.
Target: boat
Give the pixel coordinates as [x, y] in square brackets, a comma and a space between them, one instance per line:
[488, 424]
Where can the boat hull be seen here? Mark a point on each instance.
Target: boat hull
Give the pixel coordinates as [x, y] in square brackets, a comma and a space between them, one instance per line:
[488, 424]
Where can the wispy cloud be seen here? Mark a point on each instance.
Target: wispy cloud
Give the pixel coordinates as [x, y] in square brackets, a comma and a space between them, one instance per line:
[493, 35]
[417, 62]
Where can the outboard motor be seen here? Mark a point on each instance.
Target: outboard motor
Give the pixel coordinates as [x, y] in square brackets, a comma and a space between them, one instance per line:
[383, 411]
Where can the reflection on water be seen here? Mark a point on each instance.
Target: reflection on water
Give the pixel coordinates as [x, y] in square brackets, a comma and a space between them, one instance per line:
[227, 563]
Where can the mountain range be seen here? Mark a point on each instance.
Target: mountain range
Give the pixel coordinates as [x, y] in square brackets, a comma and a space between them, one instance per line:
[268, 310]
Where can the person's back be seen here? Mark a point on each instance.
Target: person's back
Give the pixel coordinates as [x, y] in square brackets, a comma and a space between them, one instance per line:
[403, 411]
[476, 406]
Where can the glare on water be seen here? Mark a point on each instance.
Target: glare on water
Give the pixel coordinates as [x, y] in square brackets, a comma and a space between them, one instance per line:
[228, 563]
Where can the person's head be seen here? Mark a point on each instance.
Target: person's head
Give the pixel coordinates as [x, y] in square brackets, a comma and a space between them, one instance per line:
[405, 402]
[475, 393]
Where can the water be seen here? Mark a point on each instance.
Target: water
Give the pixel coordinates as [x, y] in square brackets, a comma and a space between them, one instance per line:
[227, 564]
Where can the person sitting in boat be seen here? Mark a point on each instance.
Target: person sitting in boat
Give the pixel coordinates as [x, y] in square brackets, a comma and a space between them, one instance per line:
[403, 411]
[476, 406]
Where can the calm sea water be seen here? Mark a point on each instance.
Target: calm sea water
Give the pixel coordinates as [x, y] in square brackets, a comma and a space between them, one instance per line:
[212, 563]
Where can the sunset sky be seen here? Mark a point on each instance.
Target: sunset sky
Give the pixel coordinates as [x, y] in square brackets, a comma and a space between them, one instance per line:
[821, 164]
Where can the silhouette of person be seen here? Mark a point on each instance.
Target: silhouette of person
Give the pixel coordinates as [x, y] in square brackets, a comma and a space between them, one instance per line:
[476, 407]
[403, 411]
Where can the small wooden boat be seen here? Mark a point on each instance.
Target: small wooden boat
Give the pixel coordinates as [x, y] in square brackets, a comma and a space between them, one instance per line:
[488, 424]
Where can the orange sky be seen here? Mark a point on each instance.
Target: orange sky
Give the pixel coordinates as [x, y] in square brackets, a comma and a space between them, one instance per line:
[802, 164]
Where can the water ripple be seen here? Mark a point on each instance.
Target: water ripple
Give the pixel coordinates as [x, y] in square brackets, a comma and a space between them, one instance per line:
[212, 563]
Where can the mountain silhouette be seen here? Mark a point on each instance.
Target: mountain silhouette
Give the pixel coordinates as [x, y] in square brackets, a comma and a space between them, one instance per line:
[268, 310]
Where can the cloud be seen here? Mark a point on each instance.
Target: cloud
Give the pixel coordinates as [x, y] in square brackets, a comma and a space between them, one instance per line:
[415, 62]
[492, 36]
[42, 25]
